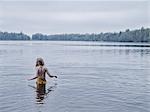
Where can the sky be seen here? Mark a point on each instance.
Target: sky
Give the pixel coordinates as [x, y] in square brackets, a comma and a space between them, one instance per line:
[73, 16]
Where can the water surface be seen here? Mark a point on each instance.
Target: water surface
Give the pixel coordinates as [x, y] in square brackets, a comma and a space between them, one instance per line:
[92, 76]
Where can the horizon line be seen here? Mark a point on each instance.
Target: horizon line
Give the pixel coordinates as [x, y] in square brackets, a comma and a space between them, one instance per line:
[78, 33]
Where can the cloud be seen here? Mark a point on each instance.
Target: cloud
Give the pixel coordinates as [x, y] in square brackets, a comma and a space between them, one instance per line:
[68, 17]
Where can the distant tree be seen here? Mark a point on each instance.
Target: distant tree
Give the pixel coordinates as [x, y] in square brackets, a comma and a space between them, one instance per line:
[13, 36]
[139, 35]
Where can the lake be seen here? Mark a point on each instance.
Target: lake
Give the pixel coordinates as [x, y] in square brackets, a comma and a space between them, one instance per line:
[92, 76]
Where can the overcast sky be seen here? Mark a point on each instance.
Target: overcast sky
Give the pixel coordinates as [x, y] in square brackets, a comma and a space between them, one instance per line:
[86, 16]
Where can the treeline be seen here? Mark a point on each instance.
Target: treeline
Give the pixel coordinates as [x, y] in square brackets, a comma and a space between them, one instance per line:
[140, 35]
[13, 36]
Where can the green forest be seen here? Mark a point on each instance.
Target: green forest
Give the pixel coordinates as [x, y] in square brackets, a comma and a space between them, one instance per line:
[138, 35]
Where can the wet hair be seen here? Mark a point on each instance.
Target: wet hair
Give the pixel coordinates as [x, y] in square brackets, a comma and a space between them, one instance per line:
[40, 61]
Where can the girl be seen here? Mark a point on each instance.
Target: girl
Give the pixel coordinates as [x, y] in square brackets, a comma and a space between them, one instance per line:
[41, 72]
[41, 79]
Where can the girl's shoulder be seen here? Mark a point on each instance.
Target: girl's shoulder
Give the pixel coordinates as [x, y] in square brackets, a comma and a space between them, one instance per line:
[45, 68]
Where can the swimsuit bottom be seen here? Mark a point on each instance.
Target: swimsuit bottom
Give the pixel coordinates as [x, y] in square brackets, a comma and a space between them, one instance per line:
[40, 81]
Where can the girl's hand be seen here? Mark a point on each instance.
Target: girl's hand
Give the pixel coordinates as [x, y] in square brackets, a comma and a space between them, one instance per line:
[33, 78]
[28, 79]
[55, 76]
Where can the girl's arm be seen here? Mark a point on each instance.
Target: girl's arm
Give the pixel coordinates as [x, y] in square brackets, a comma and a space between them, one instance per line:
[50, 74]
[33, 78]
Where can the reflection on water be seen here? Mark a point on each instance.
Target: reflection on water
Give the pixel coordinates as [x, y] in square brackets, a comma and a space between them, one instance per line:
[127, 51]
[41, 92]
